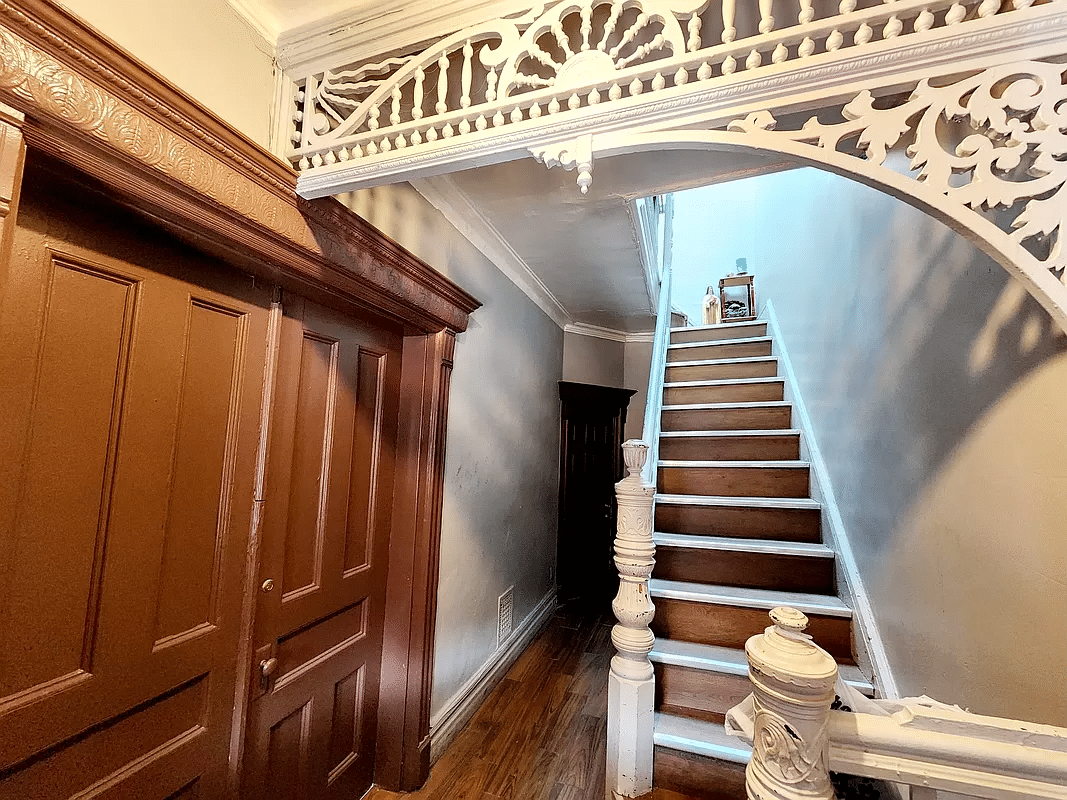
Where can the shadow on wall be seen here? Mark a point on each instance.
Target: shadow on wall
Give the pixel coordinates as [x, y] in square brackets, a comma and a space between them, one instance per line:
[499, 514]
[957, 334]
[935, 385]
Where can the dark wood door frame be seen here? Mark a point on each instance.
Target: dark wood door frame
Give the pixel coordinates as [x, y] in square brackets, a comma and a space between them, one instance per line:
[83, 101]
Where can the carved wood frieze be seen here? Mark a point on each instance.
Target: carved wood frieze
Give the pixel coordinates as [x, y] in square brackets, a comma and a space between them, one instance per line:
[74, 86]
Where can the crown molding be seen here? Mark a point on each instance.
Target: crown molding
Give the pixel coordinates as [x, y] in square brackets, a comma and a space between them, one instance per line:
[608, 334]
[373, 30]
[264, 23]
[444, 195]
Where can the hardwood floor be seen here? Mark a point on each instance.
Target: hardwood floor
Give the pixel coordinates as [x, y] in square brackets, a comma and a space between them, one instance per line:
[542, 733]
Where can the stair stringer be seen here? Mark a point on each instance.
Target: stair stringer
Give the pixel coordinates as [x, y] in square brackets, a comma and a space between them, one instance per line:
[870, 652]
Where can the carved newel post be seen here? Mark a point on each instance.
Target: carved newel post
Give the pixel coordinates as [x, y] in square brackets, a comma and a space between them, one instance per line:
[630, 688]
[794, 688]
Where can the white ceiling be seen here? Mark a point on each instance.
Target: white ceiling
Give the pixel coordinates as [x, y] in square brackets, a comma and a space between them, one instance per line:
[581, 250]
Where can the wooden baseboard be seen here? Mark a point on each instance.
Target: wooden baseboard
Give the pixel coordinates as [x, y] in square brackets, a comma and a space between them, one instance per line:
[449, 721]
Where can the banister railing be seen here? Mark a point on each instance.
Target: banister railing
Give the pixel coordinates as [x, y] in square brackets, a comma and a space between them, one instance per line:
[631, 693]
[654, 397]
[798, 739]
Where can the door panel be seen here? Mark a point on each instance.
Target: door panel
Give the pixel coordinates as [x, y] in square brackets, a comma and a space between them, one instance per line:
[130, 378]
[321, 606]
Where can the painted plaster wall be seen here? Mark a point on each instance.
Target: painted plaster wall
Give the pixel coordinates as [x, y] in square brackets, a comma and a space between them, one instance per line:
[502, 459]
[589, 359]
[636, 362]
[936, 389]
[203, 46]
[712, 229]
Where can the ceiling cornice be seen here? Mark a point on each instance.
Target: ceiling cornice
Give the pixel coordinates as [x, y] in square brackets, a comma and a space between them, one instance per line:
[261, 20]
[610, 334]
[373, 30]
[444, 195]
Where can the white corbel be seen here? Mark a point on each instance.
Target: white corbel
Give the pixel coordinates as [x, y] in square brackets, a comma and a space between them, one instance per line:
[575, 154]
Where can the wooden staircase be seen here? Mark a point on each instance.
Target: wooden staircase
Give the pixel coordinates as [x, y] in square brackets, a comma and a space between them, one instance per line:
[737, 533]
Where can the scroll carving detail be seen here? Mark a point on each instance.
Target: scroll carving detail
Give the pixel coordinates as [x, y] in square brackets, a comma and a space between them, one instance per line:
[996, 140]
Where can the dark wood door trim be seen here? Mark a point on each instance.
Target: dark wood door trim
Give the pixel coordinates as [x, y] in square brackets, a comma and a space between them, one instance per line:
[403, 760]
[92, 105]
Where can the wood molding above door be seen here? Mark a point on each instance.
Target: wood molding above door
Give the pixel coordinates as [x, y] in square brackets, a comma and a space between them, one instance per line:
[92, 105]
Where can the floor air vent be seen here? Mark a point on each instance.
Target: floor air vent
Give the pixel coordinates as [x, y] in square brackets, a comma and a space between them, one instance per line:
[504, 617]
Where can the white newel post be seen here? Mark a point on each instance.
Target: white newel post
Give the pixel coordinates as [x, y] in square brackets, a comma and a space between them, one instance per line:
[630, 686]
[794, 688]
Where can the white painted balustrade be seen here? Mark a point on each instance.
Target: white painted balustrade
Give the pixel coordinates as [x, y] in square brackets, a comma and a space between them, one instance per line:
[929, 747]
[578, 54]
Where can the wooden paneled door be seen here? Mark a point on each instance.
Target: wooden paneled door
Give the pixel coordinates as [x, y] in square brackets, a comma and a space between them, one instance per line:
[131, 370]
[321, 593]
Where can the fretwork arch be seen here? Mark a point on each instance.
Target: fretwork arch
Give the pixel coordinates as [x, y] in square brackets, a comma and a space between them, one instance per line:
[988, 158]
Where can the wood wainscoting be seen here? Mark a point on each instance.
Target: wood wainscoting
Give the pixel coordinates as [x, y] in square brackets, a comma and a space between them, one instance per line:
[221, 451]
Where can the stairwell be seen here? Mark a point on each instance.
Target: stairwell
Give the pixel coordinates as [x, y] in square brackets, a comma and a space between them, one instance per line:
[737, 533]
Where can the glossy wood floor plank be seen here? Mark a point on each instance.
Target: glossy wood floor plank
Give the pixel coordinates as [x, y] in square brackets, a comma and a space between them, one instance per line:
[541, 734]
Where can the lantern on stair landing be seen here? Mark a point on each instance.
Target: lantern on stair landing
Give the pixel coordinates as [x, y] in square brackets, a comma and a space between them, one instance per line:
[737, 299]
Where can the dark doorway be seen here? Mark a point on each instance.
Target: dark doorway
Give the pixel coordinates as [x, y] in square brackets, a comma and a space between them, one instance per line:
[592, 420]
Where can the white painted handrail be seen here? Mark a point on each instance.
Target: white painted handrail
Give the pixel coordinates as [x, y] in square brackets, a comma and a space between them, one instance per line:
[654, 398]
[945, 749]
[797, 739]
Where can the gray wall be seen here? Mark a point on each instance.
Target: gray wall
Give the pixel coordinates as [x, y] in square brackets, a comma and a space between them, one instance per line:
[502, 458]
[590, 359]
[936, 388]
[637, 359]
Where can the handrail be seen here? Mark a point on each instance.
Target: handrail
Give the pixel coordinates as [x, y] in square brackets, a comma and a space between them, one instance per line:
[661, 338]
[945, 749]
[929, 746]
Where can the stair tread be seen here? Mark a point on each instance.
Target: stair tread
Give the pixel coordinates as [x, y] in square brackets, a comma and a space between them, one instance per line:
[719, 342]
[718, 406]
[726, 434]
[698, 737]
[766, 546]
[721, 382]
[719, 326]
[825, 605]
[802, 503]
[772, 464]
[732, 661]
[713, 362]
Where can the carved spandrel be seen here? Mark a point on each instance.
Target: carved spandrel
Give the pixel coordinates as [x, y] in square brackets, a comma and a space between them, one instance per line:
[1009, 155]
